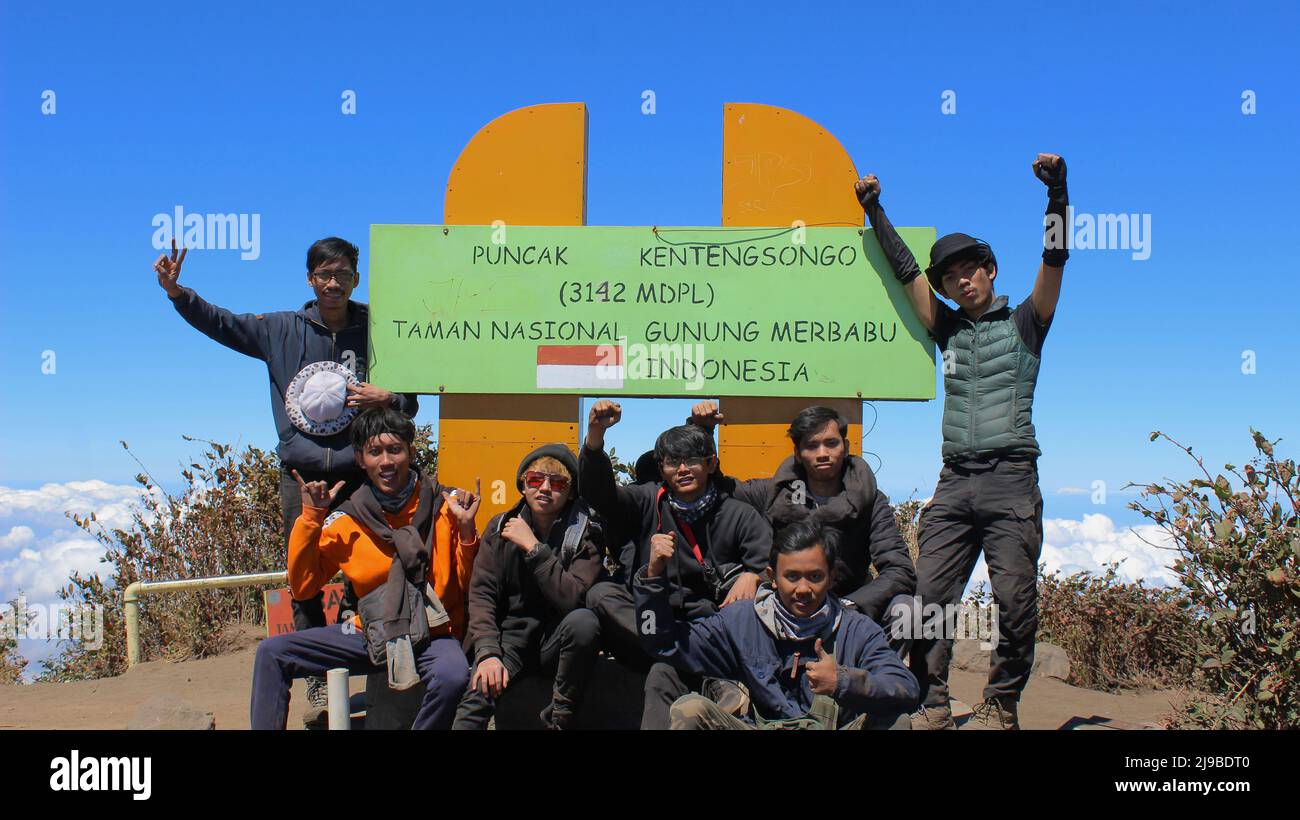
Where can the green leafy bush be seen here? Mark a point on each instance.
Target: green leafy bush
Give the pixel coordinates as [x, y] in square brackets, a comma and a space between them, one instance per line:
[1239, 560]
[1116, 634]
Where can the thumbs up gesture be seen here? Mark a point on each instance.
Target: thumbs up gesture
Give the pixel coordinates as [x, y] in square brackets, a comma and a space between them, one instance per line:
[662, 546]
[823, 673]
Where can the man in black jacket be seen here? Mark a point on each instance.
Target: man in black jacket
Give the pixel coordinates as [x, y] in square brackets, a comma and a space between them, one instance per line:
[330, 328]
[824, 483]
[724, 544]
[526, 598]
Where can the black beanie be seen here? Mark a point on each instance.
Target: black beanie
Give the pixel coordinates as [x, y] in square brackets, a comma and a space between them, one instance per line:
[558, 452]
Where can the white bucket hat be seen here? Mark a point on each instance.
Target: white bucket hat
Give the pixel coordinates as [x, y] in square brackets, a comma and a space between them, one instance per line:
[316, 400]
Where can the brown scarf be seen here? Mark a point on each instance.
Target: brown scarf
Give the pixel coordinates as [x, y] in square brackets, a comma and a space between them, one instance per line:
[412, 545]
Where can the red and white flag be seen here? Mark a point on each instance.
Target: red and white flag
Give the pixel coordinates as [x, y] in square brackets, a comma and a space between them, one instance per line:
[567, 367]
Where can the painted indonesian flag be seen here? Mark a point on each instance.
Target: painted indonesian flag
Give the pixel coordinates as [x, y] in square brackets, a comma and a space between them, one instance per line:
[572, 366]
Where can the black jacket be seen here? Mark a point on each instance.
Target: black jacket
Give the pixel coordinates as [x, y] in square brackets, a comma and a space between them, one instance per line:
[288, 341]
[732, 538]
[862, 514]
[519, 601]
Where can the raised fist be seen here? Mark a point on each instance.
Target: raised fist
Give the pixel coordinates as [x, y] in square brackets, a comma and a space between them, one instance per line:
[867, 189]
[1050, 168]
[705, 414]
[604, 414]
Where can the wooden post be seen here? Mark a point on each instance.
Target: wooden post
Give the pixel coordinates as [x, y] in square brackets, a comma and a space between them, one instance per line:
[527, 167]
[779, 167]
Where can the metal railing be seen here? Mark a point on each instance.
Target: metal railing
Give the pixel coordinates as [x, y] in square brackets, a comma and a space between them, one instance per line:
[134, 592]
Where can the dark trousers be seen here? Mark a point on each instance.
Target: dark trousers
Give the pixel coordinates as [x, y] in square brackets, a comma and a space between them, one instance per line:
[615, 607]
[570, 650]
[998, 509]
[313, 652]
[310, 614]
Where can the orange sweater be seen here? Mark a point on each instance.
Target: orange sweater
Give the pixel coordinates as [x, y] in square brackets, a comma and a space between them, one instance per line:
[318, 551]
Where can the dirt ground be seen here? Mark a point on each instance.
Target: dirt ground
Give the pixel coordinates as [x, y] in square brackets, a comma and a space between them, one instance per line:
[221, 686]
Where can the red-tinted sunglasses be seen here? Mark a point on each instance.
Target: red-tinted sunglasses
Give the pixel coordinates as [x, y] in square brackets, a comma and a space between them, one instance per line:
[535, 480]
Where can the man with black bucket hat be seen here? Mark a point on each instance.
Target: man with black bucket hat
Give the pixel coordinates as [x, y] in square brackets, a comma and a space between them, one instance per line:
[987, 496]
[526, 600]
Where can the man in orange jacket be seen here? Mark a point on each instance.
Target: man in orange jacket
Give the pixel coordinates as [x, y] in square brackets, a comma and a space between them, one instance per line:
[395, 508]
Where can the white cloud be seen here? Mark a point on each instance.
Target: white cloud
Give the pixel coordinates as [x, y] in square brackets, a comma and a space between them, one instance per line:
[16, 537]
[45, 508]
[43, 547]
[1084, 546]
[1143, 551]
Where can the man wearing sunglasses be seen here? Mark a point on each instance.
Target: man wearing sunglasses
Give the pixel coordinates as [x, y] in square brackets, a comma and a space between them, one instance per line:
[329, 328]
[722, 545]
[526, 600]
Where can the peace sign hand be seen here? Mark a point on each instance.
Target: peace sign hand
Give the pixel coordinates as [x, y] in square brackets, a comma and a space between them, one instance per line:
[317, 494]
[169, 270]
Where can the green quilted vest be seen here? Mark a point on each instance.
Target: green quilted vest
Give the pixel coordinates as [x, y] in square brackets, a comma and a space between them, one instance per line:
[988, 388]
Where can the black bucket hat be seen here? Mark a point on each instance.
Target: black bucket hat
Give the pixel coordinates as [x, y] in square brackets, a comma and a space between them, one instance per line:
[951, 247]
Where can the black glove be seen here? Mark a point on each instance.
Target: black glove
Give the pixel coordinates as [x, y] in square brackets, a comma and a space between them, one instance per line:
[1058, 200]
[900, 258]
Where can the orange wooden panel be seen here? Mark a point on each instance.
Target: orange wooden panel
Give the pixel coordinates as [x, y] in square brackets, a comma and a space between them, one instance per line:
[778, 166]
[279, 609]
[753, 442]
[527, 167]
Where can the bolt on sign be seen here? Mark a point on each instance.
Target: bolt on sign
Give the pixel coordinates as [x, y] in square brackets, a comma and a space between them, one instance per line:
[639, 311]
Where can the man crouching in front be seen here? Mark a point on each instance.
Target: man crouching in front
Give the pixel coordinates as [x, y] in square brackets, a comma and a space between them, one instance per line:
[408, 546]
[805, 661]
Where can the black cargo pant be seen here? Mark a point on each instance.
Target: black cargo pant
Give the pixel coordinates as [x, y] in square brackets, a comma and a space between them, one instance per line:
[310, 614]
[615, 607]
[995, 506]
[569, 650]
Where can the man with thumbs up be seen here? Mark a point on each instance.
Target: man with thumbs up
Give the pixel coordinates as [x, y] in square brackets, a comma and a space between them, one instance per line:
[806, 661]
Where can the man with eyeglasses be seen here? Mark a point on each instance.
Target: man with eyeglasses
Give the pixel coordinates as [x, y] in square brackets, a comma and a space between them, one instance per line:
[720, 545]
[330, 328]
[527, 599]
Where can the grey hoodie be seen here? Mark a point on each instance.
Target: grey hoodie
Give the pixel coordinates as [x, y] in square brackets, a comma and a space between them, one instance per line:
[288, 341]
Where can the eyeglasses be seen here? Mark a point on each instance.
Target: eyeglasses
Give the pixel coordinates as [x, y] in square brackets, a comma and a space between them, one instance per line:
[343, 276]
[693, 462]
[534, 480]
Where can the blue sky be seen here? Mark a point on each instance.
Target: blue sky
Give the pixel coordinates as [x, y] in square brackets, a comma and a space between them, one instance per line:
[235, 107]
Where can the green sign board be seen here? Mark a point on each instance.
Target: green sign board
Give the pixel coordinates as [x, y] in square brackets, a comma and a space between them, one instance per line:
[635, 311]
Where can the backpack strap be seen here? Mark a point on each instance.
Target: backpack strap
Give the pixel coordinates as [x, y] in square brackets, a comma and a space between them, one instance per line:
[682, 525]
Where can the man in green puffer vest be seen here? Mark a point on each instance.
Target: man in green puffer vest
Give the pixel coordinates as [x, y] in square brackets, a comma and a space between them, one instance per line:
[987, 497]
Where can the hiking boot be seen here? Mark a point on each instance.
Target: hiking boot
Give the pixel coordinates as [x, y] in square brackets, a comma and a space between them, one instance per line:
[933, 718]
[317, 714]
[994, 713]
